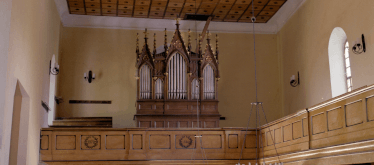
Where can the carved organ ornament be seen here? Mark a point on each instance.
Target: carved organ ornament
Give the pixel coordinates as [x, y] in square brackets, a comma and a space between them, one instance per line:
[173, 74]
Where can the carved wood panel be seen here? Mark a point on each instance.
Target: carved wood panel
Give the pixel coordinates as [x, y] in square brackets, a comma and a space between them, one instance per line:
[334, 119]
[249, 139]
[137, 141]
[370, 108]
[278, 135]
[159, 141]
[233, 141]
[211, 141]
[297, 130]
[287, 133]
[186, 141]
[115, 142]
[354, 114]
[65, 142]
[90, 142]
[44, 142]
[318, 123]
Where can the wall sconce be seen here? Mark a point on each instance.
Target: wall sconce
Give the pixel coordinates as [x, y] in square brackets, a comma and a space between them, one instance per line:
[90, 77]
[359, 45]
[55, 70]
[293, 82]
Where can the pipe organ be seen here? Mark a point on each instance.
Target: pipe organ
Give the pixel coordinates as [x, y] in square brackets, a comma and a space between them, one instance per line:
[175, 84]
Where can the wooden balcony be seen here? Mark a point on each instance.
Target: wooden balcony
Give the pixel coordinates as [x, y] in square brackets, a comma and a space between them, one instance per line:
[338, 131]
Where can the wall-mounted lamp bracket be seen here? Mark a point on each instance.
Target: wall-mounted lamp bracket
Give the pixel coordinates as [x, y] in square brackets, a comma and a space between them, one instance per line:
[293, 82]
[359, 46]
[90, 77]
[55, 70]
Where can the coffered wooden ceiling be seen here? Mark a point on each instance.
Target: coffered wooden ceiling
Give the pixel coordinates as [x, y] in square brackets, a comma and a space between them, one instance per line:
[222, 10]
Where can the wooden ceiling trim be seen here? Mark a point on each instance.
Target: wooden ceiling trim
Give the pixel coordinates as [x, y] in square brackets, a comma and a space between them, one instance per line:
[167, 4]
[180, 12]
[149, 8]
[117, 6]
[133, 8]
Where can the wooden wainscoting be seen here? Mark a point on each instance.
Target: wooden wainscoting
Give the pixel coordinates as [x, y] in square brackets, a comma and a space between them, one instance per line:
[345, 119]
[290, 134]
[82, 144]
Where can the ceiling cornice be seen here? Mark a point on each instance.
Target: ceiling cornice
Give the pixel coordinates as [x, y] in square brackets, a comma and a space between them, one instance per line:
[271, 27]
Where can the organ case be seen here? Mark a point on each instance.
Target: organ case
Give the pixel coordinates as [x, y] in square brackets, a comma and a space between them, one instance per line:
[173, 83]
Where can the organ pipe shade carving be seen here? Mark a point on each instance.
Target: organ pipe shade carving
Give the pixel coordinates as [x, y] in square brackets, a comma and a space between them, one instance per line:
[177, 77]
[195, 92]
[145, 82]
[159, 89]
[209, 91]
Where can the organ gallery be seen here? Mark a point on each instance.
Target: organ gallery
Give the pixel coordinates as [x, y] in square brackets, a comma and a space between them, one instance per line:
[143, 82]
[176, 83]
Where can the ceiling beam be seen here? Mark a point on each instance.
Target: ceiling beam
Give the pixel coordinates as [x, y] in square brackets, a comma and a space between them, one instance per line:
[204, 31]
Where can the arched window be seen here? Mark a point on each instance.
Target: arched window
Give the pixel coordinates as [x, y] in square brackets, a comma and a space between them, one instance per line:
[348, 72]
[177, 77]
[340, 70]
[195, 92]
[159, 89]
[209, 92]
[145, 82]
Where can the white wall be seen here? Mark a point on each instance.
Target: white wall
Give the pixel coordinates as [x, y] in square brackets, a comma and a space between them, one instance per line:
[33, 39]
[303, 45]
[5, 16]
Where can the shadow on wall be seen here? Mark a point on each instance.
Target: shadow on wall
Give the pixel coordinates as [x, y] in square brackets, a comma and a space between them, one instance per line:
[18, 142]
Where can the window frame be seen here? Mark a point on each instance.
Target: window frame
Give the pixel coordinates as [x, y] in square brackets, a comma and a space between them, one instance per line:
[347, 69]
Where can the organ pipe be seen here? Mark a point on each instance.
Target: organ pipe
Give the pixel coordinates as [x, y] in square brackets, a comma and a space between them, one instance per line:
[145, 82]
[195, 89]
[159, 89]
[177, 80]
[209, 90]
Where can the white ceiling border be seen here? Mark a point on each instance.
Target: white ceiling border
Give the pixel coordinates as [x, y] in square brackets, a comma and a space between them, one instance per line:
[86, 21]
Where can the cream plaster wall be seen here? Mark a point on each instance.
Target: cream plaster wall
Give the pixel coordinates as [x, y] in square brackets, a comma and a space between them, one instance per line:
[303, 46]
[34, 38]
[5, 16]
[110, 53]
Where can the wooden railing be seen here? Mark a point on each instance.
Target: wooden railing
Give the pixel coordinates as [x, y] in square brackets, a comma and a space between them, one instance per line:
[144, 144]
[340, 127]
[290, 134]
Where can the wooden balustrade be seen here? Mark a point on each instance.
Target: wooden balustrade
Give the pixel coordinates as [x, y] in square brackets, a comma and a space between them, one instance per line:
[338, 129]
[290, 134]
[70, 144]
[345, 119]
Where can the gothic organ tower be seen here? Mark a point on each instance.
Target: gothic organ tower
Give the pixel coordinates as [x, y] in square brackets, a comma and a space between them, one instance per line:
[175, 85]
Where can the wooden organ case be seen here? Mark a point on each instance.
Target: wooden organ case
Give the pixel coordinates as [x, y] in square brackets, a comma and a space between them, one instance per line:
[174, 82]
